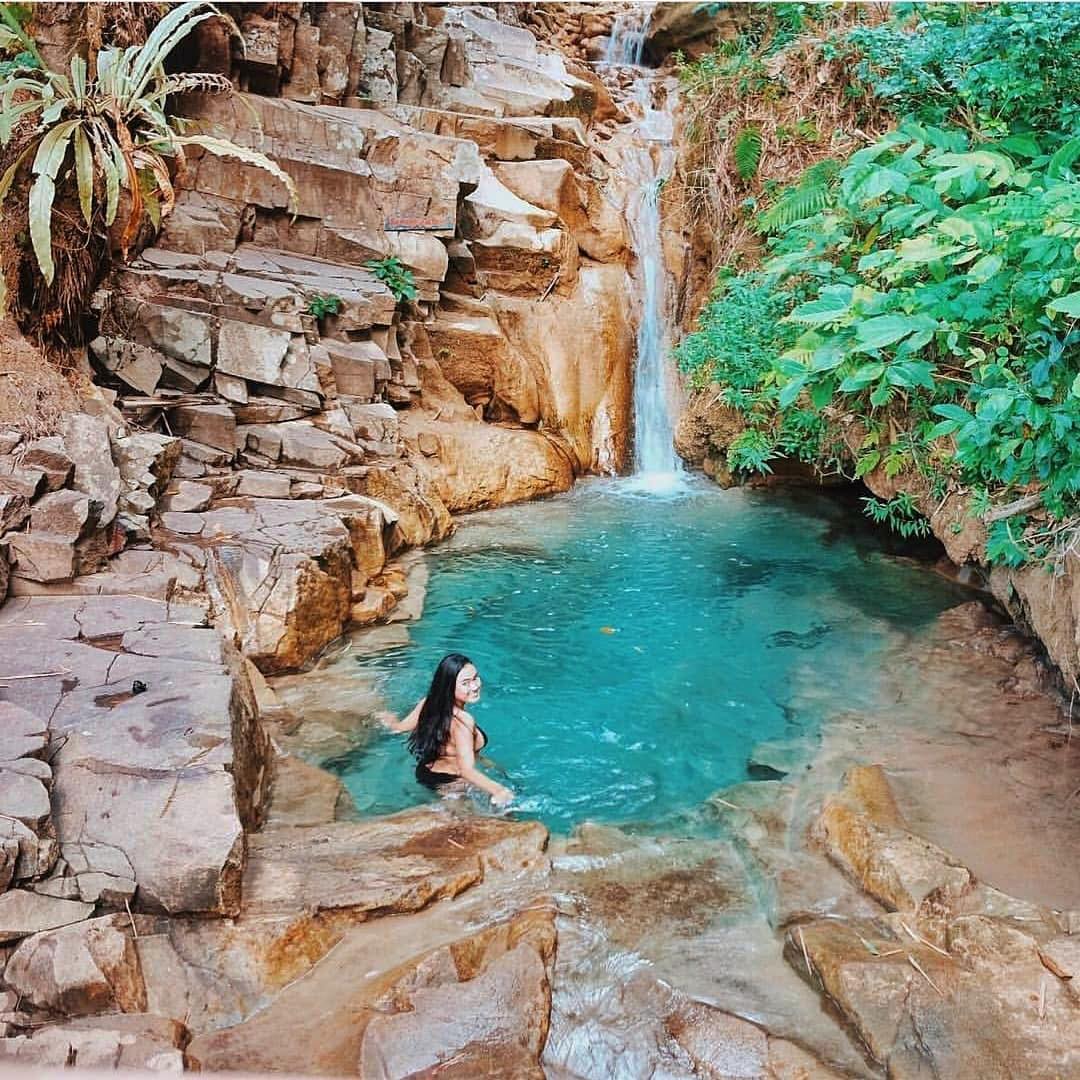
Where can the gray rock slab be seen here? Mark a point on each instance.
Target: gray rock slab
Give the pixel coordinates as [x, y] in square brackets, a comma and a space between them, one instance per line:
[86, 858]
[30, 766]
[253, 352]
[21, 481]
[96, 474]
[36, 855]
[190, 861]
[23, 913]
[182, 335]
[22, 734]
[24, 798]
[186, 524]
[41, 556]
[265, 485]
[212, 425]
[181, 642]
[189, 497]
[97, 888]
[51, 457]
[138, 366]
[119, 1041]
[307, 446]
[14, 510]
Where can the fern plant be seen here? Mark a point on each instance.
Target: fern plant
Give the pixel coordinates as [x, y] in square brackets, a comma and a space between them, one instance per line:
[809, 196]
[113, 128]
[747, 152]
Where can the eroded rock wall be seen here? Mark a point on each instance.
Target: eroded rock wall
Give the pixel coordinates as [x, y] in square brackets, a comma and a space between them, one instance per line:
[264, 427]
[444, 137]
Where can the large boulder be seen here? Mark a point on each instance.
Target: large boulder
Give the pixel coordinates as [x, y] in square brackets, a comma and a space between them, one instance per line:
[80, 970]
[474, 465]
[281, 574]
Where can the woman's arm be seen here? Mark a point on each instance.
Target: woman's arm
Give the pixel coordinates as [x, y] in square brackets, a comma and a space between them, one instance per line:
[387, 719]
[467, 770]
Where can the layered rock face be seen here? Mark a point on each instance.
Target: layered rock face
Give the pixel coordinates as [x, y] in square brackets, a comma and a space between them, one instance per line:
[270, 425]
[441, 137]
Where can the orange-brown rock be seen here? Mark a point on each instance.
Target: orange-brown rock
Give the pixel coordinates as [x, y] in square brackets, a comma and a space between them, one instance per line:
[596, 225]
[865, 835]
[484, 465]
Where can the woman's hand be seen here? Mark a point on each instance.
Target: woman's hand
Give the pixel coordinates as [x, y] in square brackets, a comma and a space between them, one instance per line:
[388, 720]
[502, 796]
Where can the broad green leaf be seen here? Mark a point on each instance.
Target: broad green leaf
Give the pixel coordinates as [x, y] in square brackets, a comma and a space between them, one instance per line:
[1064, 157]
[945, 427]
[84, 173]
[985, 269]
[868, 462]
[827, 358]
[1075, 389]
[9, 173]
[1024, 145]
[50, 156]
[883, 330]
[862, 378]
[952, 412]
[1066, 305]
[925, 249]
[791, 390]
[8, 118]
[994, 168]
[881, 395]
[833, 305]
[911, 373]
[78, 80]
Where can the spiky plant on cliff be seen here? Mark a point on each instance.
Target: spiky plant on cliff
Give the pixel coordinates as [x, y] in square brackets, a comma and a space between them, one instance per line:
[106, 138]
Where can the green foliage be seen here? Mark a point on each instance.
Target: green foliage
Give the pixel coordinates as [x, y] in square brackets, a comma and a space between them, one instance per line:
[996, 68]
[900, 513]
[321, 306]
[112, 129]
[747, 152]
[751, 451]
[927, 289]
[811, 194]
[395, 275]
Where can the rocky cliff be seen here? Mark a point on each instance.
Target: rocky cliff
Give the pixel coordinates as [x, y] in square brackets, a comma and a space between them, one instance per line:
[264, 419]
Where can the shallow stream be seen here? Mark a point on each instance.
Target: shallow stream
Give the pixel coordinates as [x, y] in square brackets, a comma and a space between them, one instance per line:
[636, 647]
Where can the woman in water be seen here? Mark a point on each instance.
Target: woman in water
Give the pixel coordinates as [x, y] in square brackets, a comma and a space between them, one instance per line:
[443, 737]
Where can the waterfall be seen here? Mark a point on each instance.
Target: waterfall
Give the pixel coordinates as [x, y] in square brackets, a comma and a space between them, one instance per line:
[650, 164]
[627, 39]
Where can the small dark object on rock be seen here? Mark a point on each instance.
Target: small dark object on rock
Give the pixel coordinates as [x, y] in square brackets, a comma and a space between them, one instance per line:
[138, 687]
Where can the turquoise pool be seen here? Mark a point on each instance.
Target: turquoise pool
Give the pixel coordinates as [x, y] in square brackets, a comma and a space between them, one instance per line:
[635, 646]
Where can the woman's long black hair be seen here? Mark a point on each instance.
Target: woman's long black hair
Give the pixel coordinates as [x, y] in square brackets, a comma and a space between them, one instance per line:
[432, 731]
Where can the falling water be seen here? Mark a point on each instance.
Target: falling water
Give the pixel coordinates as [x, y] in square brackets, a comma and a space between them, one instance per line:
[627, 41]
[650, 164]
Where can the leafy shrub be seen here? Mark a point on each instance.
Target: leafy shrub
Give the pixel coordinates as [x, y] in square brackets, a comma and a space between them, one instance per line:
[395, 275]
[321, 306]
[994, 69]
[113, 128]
[900, 513]
[927, 288]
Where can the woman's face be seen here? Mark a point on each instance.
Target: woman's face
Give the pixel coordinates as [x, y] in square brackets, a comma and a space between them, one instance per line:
[467, 687]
